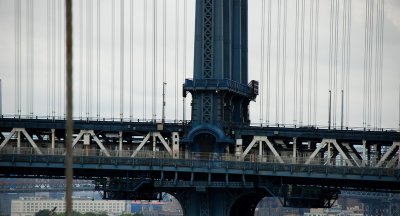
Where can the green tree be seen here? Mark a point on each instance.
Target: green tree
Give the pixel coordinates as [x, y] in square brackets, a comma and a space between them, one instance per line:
[44, 212]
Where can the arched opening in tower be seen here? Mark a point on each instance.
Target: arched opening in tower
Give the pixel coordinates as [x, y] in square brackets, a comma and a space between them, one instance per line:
[205, 142]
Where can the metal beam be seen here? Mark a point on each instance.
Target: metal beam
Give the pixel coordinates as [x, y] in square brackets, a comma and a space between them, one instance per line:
[146, 138]
[312, 156]
[341, 152]
[30, 141]
[7, 138]
[96, 139]
[386, 155]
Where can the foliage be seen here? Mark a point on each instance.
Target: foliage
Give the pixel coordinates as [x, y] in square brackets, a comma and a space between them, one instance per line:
[44, 212]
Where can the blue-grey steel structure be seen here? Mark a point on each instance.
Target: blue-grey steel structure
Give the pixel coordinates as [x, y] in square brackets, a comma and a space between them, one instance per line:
[220, 90]
[216, 164]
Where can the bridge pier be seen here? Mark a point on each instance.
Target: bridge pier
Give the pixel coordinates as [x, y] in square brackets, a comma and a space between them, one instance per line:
[219, 202]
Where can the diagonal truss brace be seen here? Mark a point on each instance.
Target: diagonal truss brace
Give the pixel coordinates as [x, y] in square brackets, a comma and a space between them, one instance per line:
[96, 139]
[328, 142]
[260, 140]
[147, 137]
[28, 137]
[386, 155]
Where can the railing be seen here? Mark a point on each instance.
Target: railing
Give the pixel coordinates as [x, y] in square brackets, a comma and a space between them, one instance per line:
[186, 122]
[218, 84]
[97, 155]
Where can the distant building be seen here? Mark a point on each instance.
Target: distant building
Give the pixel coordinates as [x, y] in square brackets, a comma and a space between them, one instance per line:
[28, 206]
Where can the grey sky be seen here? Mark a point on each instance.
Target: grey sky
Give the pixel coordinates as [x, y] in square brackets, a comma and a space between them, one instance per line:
[43, 105]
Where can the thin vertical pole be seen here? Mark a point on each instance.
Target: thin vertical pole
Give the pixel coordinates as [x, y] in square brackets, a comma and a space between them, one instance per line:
[330, 108]
[341, 117]
[68, 139]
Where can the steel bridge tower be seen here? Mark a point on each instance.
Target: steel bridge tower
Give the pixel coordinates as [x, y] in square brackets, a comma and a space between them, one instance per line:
[220, 90]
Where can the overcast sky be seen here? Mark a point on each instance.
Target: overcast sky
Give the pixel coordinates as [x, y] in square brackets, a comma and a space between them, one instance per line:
[135, 85]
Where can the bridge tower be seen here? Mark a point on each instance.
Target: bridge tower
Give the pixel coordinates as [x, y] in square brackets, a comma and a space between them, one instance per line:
[220, 90]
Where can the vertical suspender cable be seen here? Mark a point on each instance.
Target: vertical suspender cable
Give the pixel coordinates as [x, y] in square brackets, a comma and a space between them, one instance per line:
[343, 75]
[316, 63]
[310, 62]
[98, 60]
[184, 54]
[262, 60]
[381, 61]
[348, 64]
[88, 57]
[365, 64]
[53, 71]
[154, 83]
[28, 58]
[278, 58]
[284, 62]
[302, 62]
[121, 114]
[336, 42]
[164, 60]
[268, 84]
[28, 68]
[17, 6]
[296, 63]
[32, 36]
[376, 76]
[80, 57]
[60, 67]
[331, 53]
[176, 56]
[131, 63]
[144, 58]
[370, 65]
[48, 57]
[112, 58]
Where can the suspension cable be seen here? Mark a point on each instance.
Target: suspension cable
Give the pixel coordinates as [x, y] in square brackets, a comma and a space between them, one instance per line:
[316, 62]
[164, 60]
[53, 39]
[48, 57]
[154, 78]
[310, 62]
[121, 115]
[284, 62]
[176, 56]
[302, 61]
[296, 63]
[89, 23]
[262, 61]
[98, 60]
[348, 64]
[131, 63]
[60, 67]
[17, 6]
[184, 55]
[268, 84]
[112, 57]
[81, 19]
[144, 59]
[278, 58]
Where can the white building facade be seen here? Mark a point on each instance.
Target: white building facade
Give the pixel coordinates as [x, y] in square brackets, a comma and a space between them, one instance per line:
[28, 206]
